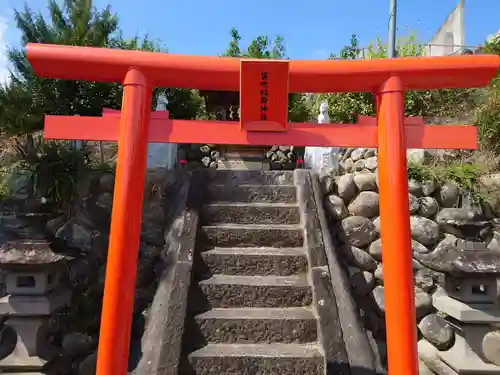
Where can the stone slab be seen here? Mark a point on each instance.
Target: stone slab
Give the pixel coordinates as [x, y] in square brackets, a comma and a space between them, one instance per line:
[467, 313]
[251, 193]
[251, 213]
[253, 235]
[331, 337]
[161, 343]
[361, 357]
[34, 305]
[428, 355]
[252, 359]
[254, 325]
[309, 212]
[465, 361]
[244, 165]
[18, 361]
[256, 291]
[228, 177]
[255, 261]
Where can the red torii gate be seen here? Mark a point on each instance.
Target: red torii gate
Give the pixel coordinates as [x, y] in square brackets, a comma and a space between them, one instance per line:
[263, 87]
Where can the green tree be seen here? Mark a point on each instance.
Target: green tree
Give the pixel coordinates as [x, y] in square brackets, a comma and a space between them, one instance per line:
[262, 47]
[488, 111]
[52, 166]
[25, 100]
[182, 103]
[73, 23]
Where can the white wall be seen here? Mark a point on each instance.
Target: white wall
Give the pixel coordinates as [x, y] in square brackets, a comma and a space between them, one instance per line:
[162, 155]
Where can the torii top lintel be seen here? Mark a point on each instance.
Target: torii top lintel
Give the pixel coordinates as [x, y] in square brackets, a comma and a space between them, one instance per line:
[223, 73]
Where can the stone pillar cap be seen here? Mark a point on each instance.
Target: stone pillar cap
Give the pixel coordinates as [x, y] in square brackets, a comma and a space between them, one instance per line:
[29, 254]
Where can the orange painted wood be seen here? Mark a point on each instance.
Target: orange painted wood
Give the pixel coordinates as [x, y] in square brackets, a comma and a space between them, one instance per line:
[223, 73]
[401, 333]
[108, 112]
[372, 120]
[228, 132]
[122, 256]
[264, 95]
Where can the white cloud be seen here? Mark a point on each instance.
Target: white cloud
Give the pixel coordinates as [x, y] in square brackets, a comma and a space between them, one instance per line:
[4, 63]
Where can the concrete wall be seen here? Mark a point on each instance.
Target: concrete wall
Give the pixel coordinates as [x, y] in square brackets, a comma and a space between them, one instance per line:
[450, 37]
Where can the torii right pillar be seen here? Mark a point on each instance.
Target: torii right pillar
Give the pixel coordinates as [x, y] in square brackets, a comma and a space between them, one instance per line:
[395, 229]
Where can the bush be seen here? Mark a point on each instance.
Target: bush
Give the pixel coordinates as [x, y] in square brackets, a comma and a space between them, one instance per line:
[488, 121]
[466, 176]
[52, 169]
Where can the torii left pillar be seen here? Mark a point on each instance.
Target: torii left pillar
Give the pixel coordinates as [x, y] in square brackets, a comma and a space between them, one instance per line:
[121, 270]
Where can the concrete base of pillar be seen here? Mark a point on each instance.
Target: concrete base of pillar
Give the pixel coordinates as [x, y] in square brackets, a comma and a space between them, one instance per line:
[28, 348]
[428, 354]
[487, 313]
[464, 360]
[459, 360]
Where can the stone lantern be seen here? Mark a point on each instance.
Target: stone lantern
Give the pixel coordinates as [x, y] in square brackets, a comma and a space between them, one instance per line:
[34, 291]
[470, 303]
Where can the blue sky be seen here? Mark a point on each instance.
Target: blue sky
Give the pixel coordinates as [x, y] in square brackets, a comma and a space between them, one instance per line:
[312, 30]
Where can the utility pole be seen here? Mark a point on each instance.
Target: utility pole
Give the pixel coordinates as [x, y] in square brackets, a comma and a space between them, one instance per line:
[391, 50]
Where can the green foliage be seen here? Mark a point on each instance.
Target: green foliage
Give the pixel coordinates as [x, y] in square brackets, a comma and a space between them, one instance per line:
[344, 107]
[73, 23]
[488, 120]
[25, 100]
[421, 173]
[488, 112]
[259, 48]
[466, 176]
[52, 169]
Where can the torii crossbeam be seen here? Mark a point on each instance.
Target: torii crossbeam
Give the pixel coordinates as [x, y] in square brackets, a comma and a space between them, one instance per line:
[264, 86]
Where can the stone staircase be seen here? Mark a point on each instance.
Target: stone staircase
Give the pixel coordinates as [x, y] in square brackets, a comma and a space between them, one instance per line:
[250, 308]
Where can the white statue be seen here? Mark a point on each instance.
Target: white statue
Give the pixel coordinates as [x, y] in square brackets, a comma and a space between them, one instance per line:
[323, 117]
[162, 155]
[161, 102]
[322, 158]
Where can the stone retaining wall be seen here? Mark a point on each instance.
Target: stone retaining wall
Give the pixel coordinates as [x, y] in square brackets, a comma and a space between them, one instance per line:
[84, 233]
[441, 216]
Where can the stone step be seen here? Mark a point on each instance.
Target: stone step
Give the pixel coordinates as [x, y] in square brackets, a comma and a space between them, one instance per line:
[253, 235]
[249, 177]
[251, 213]
[252, 193]
[249, 261]
[254, 325]
[242, 165]
[258, 359]
[256, 291]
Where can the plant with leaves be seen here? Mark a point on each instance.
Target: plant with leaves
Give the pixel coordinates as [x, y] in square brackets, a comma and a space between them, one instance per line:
[488, 112]
[26, 98]
[75, 22]
[344, 107]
